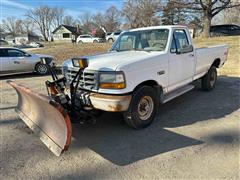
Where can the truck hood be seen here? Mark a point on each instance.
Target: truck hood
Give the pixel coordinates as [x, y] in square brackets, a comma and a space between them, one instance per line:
[112, 60]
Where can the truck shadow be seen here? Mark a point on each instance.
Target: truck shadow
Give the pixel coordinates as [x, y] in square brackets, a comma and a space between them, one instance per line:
[121, 145]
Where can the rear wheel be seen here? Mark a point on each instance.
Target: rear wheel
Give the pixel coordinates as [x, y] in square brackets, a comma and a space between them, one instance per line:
[143, 108]
[80, 42]
[210, 79]
[41, 69]
[95, 41]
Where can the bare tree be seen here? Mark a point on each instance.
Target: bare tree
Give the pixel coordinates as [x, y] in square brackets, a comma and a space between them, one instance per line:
[231, 16]
[28, 25]
[130, 12]
[139, 13]
[43, 17]
[13, 26]
[1, 30]
[112, 21]
[209, 9]
[86, 21]
[99, 19]
[69, 20]
[58, 15]
[173, 13]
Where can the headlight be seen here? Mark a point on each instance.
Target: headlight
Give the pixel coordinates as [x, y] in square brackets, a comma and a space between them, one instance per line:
[80, 62]
[112, 80]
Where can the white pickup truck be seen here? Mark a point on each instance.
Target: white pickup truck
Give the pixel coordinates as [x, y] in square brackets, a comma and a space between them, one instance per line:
[146, 67]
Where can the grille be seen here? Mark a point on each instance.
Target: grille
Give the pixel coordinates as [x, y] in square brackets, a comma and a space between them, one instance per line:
[88, 79]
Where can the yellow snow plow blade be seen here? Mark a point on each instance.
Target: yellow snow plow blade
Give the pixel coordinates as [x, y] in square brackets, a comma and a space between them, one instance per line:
[48, 120]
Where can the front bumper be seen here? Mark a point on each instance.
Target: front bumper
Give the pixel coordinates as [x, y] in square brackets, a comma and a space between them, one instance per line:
[111, 103]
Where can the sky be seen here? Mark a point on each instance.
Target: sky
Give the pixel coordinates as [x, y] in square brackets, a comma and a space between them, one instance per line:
[75, 8]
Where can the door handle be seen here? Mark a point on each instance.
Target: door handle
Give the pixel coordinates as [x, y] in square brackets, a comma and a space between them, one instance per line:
[191, 55]
[16, 62]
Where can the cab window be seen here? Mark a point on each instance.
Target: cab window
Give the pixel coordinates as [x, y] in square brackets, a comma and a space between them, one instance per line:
[181, 39]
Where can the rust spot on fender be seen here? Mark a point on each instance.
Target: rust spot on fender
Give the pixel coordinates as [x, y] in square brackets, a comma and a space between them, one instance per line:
[116, 108]
[112, 103]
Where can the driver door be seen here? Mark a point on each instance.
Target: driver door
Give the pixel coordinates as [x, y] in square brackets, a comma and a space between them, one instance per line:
[181, 60]
[4, 62]
[88, 39]
[18, 61]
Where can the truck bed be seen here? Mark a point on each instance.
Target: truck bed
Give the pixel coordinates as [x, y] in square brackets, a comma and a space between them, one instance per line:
[205, 56]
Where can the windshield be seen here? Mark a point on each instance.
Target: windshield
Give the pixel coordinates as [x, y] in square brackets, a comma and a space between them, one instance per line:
[146, 40]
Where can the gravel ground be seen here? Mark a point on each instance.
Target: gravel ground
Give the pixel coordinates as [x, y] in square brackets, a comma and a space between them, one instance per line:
[195, 136]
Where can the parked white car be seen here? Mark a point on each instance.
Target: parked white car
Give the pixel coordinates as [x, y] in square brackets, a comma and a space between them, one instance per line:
[145, 67]
[86, 38]
[113, 36]
[15, 61]
[36, 44]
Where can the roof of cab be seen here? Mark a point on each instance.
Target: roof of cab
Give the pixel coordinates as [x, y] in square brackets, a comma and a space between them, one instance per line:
[158, 27]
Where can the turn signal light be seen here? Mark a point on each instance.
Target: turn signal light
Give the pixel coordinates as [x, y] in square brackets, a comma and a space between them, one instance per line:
[112, 85]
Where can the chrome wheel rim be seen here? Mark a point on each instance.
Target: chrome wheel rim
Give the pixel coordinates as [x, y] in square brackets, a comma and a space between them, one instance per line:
[145, 107]
[42, 69]
[212, 79]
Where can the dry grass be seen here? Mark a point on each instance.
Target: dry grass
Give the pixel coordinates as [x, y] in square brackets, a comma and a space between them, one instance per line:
[63, 51]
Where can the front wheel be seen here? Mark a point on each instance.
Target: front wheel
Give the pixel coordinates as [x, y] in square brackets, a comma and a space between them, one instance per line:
[41, 69]
[210, 79]
[143, 108]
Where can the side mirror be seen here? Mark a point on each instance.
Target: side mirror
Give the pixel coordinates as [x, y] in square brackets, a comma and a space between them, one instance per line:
[186, 49]
[27, 55]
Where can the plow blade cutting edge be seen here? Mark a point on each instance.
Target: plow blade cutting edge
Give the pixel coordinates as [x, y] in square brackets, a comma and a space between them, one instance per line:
[48, 120]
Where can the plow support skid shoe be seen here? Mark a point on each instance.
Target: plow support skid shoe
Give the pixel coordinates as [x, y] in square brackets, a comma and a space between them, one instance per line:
[48, 120]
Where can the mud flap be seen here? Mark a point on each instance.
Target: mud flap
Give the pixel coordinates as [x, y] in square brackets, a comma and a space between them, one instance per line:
[47, 119]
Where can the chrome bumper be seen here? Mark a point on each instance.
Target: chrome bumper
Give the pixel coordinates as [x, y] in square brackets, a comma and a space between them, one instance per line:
[110, 103]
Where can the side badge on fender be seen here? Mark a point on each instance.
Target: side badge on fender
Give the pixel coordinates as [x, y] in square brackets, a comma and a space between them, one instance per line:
[161, 72]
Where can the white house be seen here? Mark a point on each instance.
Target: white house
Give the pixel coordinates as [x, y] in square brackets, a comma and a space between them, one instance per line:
[66, 33]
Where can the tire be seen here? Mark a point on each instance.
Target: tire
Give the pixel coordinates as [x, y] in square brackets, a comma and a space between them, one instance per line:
[41, 69]
[95, 41]
[110, 40]
[142, 109]
[80, 42]
[210, 79]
